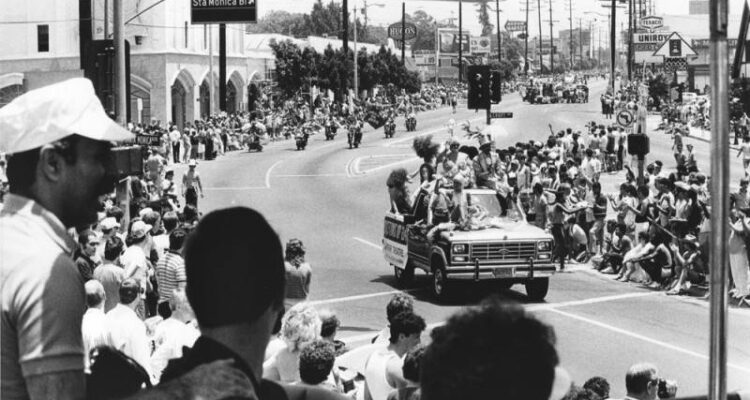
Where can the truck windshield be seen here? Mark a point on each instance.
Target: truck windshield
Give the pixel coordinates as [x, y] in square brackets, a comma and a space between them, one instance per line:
[491, 205]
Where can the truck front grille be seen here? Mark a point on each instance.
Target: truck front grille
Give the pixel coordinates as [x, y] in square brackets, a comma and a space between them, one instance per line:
[516, 251]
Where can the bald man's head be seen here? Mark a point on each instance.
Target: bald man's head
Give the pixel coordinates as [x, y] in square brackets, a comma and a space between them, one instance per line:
[95, 295]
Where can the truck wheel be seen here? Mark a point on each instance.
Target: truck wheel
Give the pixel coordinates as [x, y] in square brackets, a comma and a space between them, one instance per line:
[404, 276]
[537, 289]
[440, 285]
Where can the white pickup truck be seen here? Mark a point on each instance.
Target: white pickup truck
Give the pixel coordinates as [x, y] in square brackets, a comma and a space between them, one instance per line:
[506, 249]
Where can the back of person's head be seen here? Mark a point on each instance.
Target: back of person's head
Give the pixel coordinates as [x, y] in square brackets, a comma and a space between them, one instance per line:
[129, 291]
[301, 325]
[638, 378]
[406, 323]
[329, 323]
[579, 393]
[598, 385]
[234, 267]
[413, 363]
[316, 361]
[113, 248]
[114, 375]
[177, 239]
[151, 218]
[116, 213]
[399, 303]
[493, 348]
[170, 221]
[95, 295]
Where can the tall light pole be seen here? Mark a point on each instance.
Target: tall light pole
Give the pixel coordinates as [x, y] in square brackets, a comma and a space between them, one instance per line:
[539, 12]
[356, 58]
[570, 21]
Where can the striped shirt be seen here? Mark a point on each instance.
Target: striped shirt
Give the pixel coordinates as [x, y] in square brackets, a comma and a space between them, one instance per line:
[170, 271]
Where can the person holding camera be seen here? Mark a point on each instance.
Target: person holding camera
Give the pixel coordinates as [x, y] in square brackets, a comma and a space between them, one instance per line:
[58, 138]
[643, 383]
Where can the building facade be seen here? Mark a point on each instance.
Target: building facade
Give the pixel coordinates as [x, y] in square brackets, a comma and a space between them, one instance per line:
[171, 70]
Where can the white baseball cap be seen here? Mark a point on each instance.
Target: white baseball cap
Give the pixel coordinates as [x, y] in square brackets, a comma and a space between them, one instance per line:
[53, 112]
[140, 229]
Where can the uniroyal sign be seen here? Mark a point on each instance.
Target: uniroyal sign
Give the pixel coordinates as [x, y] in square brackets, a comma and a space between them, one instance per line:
[652, 22]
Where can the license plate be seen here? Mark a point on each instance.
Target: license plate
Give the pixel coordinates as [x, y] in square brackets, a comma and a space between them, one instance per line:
[503, 272]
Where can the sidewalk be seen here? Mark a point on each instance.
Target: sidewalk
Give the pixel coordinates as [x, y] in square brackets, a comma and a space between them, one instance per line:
[703, 135]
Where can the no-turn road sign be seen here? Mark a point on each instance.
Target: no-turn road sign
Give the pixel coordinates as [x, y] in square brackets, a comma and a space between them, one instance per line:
[625, 118]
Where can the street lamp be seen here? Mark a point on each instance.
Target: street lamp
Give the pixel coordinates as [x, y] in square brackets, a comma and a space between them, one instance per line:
[356, 66]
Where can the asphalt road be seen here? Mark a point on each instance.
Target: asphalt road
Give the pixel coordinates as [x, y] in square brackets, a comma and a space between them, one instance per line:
[333, 199]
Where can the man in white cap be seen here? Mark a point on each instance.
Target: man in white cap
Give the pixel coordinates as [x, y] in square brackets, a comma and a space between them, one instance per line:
[58, 141]
[191, 183]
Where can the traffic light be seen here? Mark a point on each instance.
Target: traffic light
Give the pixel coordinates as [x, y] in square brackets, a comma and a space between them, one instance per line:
[479, 87]
[496, 87]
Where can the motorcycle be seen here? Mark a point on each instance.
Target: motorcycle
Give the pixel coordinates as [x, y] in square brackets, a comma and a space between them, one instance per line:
[254, 143]
[411, 123]
[301, 139]
[354, 136]
[390, 128]
[330, 130]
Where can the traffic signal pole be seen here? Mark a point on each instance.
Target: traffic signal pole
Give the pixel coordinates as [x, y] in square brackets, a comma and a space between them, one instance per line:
[719, 72]
[460, 42]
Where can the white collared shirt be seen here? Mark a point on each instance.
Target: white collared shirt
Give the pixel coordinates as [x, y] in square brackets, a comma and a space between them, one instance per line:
[95, 332]
[129, 334]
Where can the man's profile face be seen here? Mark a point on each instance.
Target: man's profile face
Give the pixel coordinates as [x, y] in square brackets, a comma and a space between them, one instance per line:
[84, 182]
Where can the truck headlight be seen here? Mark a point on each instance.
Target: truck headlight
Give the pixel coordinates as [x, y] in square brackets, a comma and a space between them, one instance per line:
[460, 248]
[543, 246]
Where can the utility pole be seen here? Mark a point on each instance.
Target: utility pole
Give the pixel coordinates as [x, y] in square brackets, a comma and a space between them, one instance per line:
[106, 19]
[211, 90]
[499, 38]
[570, 20]
[356, 61]
[551, 42]
[460, 42]
[539, 12]
[612, 29]
[222, 67]
[345, 35]
[526, 43]
[630, 40]
[86, 36]
[403, 32]
[580, 41]
[120, 79]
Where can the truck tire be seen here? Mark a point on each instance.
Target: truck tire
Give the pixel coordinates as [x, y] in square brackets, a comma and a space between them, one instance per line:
[440, 286]
[537, 288]
[405, 276]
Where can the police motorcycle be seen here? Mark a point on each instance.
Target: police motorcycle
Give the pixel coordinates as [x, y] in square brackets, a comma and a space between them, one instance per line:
[301, 137]
[354, 133]
[389, 127]
[411, 122]
[330, 126]
[253, 140]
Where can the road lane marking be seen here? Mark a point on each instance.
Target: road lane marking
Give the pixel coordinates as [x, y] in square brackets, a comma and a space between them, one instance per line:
[268, 173]
[368, 243]
[530, 308]
[643, 338]
[235, 188]
[307, 175]
[362, 296]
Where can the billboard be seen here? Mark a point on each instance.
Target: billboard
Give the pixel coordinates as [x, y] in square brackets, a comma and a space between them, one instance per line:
[645, 44]
[480, 44]
[449, 41]
[515, 26]
[223, 11]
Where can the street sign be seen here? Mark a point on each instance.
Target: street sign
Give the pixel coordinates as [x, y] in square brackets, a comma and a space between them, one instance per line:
[644, 45]
[223, 11]
[675, 46]
[652, 22]
[625, 118]
[501, 115]
[148, 140]
[410, 31]
[515, 26]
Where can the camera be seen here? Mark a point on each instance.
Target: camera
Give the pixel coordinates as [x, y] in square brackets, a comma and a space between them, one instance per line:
[667, 389]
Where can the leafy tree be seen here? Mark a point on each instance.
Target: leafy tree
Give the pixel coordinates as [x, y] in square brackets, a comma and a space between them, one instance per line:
[324, 19]
[483, 13]
[425, 24]
[289, 69]
[282, 22]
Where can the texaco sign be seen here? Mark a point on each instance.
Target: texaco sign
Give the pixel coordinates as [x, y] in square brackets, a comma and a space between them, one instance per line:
[651, 22]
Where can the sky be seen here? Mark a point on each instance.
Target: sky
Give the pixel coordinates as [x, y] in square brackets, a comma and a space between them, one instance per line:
[390, 12]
